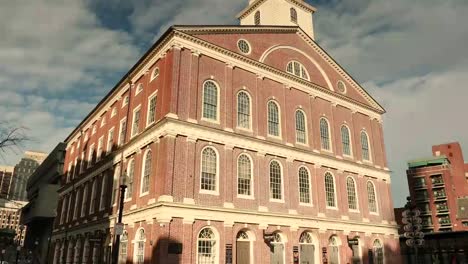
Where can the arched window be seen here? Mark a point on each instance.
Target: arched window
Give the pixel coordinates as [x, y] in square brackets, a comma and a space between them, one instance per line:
[297, 69]
[365, 146]
[293, 15]
[300, 127]
[334, 255]
[123, 248]
[243, 110]
[207, 247]
[139, 88]
[146, 172]
[210, 100]
[304, 185]
[244, 175]
[140, 246]
[273, 119]
[325, 134]
[378, 252]
[371, 197]
[276, 188]
[92, 205]
[330, 190]
[257, 18]
[131, 173]
[115, 184]
[244, 247]
[86, 249]
[77, 252]
[84, 204]
[209, 169]
[277, 249]
[155, 73]
[307, 248]
[351, 189]
[345, 140]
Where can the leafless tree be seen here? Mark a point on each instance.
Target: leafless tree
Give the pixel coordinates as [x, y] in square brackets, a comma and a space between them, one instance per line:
[12, 138]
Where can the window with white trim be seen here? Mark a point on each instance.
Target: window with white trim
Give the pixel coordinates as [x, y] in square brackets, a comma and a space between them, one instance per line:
[63, 211]
[100, 148]
[94, 130]
[325, 134]
[365, 146]
[125, 101]
[85, 200]
[209, 169]
[139, 88]
[210, 100]
[115, 185]
[257, 18]
[301, 127]
[293, 14]
[243, 110]
[122, 131]
[110, 141]
[207, 247]
[351, 190]
[371, 197]
[155, 73]
[114, 112]
[131, 173]
[146, 172]
[377, 249]
[151, 110]
[304, 186]
[345, 140]
[102, 199]
[123, 248]
[90, 156]
[77, 202]
[276, 185]
[243, 46]
[330, 190]
[297, 69]
[103, 121]
[136, 122]
[273, 119]
[244, 175]
[140, 247]
[93, 196]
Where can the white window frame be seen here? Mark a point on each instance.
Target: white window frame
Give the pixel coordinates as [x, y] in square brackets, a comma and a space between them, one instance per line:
[216, 191]
[130, 188]
[282, 182]
[216, 246]
[250, 110]
[103, 121]
[310, 186]
[113, 112]
[124, 101]
[368, 146]
[334, 191]
[330, 140]
[248, 44]
[279, 119]
[110, 141]
[356, 196]
[102, 198]
[305, 127]
[115, 184]
[132, 132]
[136, 241]
[143, 166]
[92, 202]
[218, 99]
[100, 148]
[77, 202]
[350, 141]
[243, 196]
[155, 75]
[375, 198]
[302, 69]
[84, 200]
[155, 96]
[139, 89]
[93, 131]
[121, 127]
[90, 156]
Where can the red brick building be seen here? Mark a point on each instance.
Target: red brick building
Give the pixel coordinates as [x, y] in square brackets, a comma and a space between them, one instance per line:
[228, 135]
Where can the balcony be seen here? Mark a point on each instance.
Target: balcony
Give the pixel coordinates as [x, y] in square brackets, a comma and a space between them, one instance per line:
[445, 222]
[437, 181]
[440, 195]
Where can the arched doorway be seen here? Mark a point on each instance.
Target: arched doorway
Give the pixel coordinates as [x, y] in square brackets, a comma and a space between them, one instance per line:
[378, 252]
[334, 250]
[277, 249]
[244, 248]
[306, 249]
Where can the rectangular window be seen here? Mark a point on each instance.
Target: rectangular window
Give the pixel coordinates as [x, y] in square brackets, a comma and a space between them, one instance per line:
[77, 201]
[123, 131]
[110, 140]
[100, 148]
[419, 182]
[90, 156]
[136, 122]
[151, 110]
[102, 200]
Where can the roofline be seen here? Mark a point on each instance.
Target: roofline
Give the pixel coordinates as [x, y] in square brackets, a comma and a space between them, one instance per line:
[119, 83]
[249, 8]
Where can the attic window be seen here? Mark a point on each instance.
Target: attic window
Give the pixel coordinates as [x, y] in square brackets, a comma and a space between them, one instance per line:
[244, 46]
[293, 15]
[155, 73]
[257, 18]
[341, 87]
[297, 69]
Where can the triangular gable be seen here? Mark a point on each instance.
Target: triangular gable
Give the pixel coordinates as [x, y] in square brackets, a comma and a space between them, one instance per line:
[217, 35]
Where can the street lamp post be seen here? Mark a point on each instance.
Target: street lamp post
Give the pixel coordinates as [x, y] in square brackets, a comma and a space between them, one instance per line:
[115, 248]
[412, 220]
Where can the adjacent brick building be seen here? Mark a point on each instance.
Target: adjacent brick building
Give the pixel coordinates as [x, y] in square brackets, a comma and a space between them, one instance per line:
[239, 144]
[6, 182]
[30, 161]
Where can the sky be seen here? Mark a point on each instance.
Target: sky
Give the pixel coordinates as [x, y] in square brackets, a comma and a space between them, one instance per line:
[58, 58]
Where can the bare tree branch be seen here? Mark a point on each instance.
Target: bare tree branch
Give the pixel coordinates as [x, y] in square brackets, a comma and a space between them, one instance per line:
[12, 138]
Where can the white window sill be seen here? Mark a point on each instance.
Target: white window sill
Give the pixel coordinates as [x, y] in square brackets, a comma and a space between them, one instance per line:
[327, 151]
[149, 124]
[353, 210]
[248, 197]
[332, 208]
[213, 121]
[302, 144]
[245, 129]
[348, 156]
[306, 204]
[274, 137]
[144, 194]
[373, 213]
[209, 192]
[276, 200]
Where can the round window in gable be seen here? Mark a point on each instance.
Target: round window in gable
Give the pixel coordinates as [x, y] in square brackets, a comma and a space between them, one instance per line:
[243, 46]
[341, 87]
